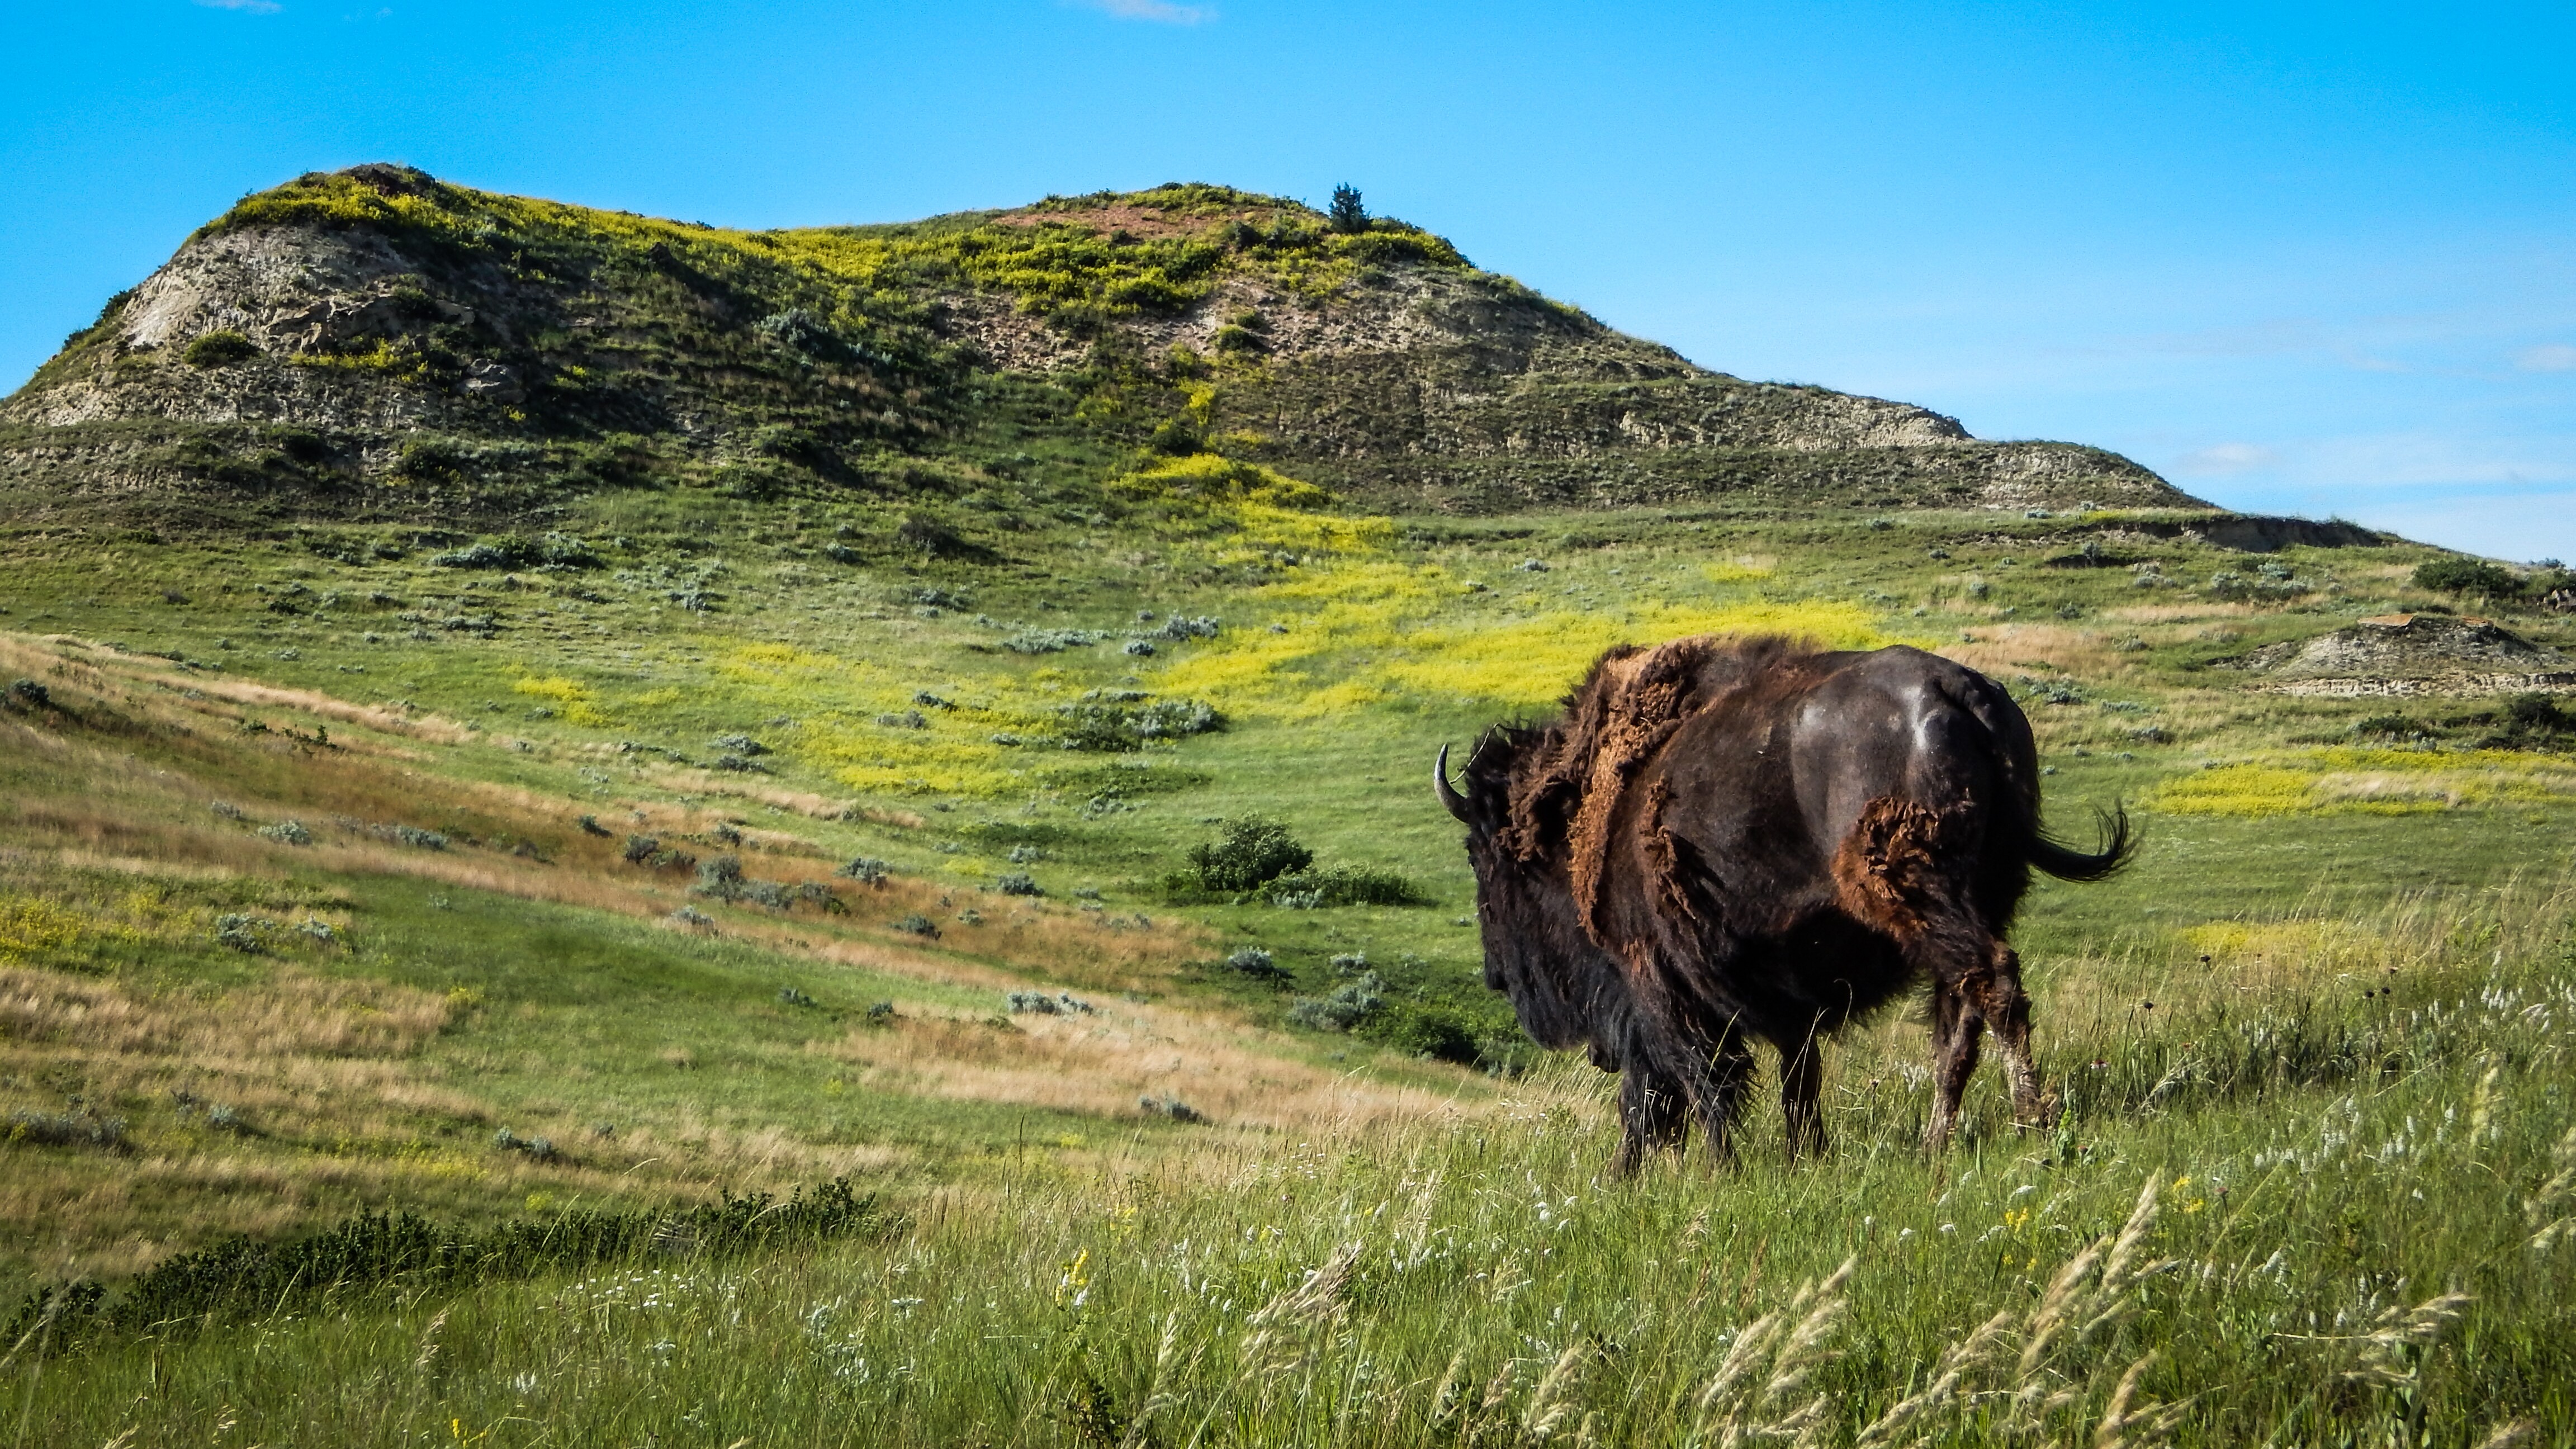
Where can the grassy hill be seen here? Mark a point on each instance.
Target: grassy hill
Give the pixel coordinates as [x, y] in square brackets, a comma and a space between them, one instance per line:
[568, 716]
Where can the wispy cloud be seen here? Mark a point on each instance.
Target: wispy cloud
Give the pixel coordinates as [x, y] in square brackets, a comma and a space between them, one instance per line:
[2226, 458]
[2552, 357]
[1161, 12]
[252, 7]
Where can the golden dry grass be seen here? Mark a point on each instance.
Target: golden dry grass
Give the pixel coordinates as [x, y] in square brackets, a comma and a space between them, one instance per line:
[1101, 1064]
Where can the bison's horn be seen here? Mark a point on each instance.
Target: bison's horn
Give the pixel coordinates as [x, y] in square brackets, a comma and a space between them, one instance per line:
[1449, 796]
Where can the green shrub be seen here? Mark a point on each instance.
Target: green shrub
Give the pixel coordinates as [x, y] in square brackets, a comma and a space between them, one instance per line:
[510, 551]
[2466, 576]
[1341, 885]
[1049, 641]
[1117, 728]
[65, 1129]
[1351, 1003]
[1424, 1031]
[1258, 964]
[1251, 853]
[431, 460]
[219, 349]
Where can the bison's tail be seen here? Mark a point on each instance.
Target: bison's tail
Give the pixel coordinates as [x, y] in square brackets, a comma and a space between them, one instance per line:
[2119, 844]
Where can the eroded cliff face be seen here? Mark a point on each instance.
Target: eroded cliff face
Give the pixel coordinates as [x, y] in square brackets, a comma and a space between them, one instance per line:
[322, 353]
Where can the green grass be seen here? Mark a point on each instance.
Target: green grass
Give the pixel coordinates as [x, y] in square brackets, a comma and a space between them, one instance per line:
[2359, 1227]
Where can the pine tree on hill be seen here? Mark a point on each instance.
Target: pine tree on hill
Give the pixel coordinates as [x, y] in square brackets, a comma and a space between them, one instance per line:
[1347, 213]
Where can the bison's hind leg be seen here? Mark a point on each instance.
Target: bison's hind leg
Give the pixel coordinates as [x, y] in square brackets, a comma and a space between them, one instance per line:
[1897, 874]
[2006, 1008]
[1802, 1083]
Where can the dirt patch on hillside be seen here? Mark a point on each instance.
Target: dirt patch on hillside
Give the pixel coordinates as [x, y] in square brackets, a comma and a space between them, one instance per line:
[2406, 654]
[1142, 221]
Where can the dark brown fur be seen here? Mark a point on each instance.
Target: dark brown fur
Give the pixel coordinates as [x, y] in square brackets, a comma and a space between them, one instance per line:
[1729, 840]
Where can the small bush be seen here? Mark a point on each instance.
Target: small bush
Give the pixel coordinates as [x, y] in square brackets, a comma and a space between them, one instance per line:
[219, 349]
[1347, 1007]
[880, 1013]
[720, 879]
[1422, 1031]
[918, 924]
[790, 996]
[1038, 1003]
[1341, 886]
[243, 933]
[1018, 883]
[1049, 641]
[85, 1128]
[641, 849]
[287, 832]
[692, 917]
[2466, 576]
[540, 1148]
[1256, 963]
[1115, 727]
[1168, 1106]
[866, 870]
[554, 550]
[29, 692]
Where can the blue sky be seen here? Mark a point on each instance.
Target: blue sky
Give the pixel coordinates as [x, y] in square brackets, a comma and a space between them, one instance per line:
[2303, 259]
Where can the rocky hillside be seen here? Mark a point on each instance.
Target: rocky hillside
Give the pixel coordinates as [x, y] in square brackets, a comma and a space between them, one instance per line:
[376, 343]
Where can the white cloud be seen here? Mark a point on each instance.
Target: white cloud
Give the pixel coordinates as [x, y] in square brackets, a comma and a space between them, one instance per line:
[2227, 458]
[1161, 12]
[254, 7]
[2552, 357]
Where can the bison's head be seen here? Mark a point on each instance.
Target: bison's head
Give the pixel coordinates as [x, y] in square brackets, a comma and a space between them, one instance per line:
[1536, 951]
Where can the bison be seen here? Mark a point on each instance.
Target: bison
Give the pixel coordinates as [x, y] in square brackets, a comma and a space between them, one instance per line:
[1730, 839]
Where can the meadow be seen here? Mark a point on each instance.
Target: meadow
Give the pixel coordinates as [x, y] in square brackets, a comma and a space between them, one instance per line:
[347, 864]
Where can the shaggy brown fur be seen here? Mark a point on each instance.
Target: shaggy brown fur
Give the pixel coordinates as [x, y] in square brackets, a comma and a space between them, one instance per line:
[1888, 867]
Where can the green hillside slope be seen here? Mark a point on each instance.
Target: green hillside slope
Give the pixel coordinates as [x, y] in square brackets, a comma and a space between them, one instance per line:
[375, 343]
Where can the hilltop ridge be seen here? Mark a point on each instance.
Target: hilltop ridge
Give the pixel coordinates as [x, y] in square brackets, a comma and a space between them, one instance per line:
[378, 343]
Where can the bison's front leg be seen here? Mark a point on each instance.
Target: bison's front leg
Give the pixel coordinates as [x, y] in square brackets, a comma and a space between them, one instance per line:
[1650, 1117]
[1720, 1069]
